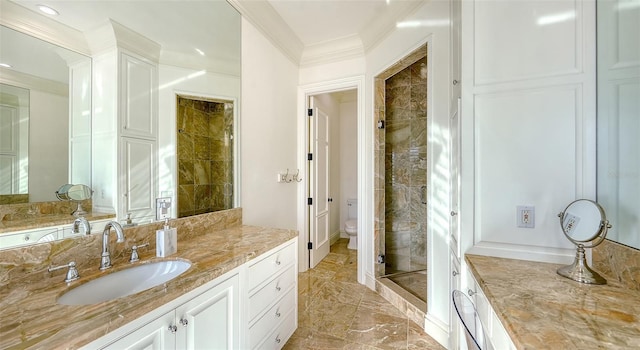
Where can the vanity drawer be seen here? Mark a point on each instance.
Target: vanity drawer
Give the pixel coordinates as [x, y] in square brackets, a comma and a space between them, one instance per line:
[271, 292]
[282, 313]
[269, 266]
[28, 237]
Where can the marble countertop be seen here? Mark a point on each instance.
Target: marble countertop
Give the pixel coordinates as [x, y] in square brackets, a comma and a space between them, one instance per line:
[7, 226]
[543, 310]
[30, 317]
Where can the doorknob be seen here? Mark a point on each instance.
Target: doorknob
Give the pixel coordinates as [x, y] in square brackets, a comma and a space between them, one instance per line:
[454, 213]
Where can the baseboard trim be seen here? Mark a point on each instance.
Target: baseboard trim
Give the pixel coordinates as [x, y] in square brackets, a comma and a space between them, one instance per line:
[334, 237]
[437, 330]
[524, 252]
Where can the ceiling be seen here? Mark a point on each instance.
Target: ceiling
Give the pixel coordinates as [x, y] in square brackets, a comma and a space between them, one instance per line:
[302, 29]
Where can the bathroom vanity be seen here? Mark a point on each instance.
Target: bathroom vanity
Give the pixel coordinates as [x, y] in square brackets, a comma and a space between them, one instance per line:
[540, 309]
[240, 292]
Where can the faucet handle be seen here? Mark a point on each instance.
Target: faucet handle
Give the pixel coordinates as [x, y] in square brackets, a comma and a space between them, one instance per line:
[134, 252]
[72, 273]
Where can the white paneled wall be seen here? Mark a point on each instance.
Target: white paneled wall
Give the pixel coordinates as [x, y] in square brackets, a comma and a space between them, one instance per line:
[528, 122]
[618, 121]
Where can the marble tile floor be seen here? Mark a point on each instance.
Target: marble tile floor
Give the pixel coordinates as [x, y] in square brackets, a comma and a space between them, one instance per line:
[336, 312]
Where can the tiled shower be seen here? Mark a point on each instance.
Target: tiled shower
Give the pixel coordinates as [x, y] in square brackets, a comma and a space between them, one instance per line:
[205, 156]
[401, 172]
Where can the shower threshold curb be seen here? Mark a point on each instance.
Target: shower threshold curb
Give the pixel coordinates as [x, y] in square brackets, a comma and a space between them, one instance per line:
[410, 305]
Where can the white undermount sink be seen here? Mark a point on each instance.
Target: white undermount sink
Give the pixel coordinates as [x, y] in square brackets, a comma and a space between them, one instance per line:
[124, 282]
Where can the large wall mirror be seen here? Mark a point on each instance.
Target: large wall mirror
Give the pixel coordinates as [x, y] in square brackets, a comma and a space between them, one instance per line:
[618, 135]
[45, 125]
[200, 56]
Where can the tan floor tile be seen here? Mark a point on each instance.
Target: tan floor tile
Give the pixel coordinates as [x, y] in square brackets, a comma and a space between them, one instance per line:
[335, 312]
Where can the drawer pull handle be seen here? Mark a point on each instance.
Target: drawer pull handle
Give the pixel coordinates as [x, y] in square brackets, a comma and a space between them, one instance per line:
[278, 288]
[173, 328]
[278, 313]
[184, 322]
[471, 293]
[278, 340]
[278, 262]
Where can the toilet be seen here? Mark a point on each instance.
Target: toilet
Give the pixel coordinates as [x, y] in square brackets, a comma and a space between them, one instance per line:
[351, 225]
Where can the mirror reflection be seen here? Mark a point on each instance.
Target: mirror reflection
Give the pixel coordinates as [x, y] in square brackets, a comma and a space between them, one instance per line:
[618, 27]
[199, 57]
[205, 155]
[45, 100]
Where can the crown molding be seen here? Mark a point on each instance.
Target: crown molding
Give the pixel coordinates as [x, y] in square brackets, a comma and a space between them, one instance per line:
[265, 18]
[29, 22]
[332, 51]
[112, 34]
[32, 82]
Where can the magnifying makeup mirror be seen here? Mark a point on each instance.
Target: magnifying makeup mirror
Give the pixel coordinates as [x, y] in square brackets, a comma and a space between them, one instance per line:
[585, 224]
[75, 193]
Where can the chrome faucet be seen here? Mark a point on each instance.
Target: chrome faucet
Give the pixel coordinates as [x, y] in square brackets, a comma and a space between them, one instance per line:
[84, 222]
[105, 262]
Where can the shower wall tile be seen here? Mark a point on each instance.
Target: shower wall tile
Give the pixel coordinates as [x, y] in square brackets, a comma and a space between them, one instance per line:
[202, 172]
[205, 156]
[186, 171]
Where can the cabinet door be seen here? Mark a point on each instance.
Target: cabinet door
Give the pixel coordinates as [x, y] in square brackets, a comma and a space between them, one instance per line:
[212, 319]
[138, 179]
[138, 95]
[155, 335]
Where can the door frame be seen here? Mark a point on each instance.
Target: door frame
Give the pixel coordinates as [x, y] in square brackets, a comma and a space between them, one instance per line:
[304, 92]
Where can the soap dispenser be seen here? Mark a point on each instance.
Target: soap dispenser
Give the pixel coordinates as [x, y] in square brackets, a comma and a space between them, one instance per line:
[166, 240]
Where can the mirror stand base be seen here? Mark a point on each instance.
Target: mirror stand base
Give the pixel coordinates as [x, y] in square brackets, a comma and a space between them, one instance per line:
[79, 211]
[579, 271]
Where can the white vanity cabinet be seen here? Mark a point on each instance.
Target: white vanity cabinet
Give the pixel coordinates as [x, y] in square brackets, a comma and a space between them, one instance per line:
[494, 329]
[254, 306]
[28, 237]
[209, 320]
[47, 234]
[272, 308]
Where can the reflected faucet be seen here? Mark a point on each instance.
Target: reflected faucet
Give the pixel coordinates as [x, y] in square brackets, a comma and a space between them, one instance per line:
[81, 221]
[105, 262]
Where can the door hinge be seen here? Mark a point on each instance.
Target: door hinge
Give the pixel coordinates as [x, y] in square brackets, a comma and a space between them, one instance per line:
[309, 201]
[309, 245]
[309, 156]
[310, 112]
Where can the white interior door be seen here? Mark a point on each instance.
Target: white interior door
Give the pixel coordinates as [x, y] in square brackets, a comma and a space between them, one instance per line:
[320, 198]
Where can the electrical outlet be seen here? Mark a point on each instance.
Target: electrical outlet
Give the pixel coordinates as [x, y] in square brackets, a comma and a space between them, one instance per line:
[525, 216]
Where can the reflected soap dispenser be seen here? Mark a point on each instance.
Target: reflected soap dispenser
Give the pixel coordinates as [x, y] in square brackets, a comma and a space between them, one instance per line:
[166, 240]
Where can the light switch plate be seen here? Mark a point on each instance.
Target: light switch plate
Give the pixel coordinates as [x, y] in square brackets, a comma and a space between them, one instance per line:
[163, 208]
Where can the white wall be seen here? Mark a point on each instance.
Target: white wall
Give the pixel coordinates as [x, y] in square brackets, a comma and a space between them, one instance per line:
[49, 160]
[173, 81]
[269, 131]
[528, 123]
[348, 156]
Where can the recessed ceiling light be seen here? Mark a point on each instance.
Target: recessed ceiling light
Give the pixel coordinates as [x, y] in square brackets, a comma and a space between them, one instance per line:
[200, 51]
[5, 65]
[48, 10]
